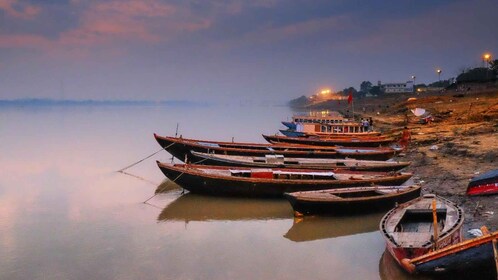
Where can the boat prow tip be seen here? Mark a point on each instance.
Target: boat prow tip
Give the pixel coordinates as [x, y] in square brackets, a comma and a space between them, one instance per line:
[407, 265]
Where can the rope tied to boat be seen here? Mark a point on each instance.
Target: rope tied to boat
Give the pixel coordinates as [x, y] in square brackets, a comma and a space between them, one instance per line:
[174, 181]
[149, 156]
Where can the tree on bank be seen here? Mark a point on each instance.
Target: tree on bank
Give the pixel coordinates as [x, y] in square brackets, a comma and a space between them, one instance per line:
[494, 66]
[365, 87]
[478, 75]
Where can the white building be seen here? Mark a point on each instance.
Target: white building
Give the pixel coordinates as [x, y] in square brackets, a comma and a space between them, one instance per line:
[397, 87]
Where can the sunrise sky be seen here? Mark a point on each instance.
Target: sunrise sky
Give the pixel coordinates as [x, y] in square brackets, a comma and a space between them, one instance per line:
[233, 49]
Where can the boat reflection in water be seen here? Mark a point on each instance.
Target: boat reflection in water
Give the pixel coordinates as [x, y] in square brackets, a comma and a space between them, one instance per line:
[317, 227]
[193, 207]
[389, 269]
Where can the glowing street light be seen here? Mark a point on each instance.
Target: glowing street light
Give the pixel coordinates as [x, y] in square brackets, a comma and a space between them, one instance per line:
[438, 71]
[485, 59]
[325, 91]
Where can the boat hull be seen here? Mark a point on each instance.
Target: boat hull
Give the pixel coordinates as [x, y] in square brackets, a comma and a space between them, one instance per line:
[473, 255]
[212, 159]
[180, 148]
[418, 242]
[486, 184]
[475, 258]
[202, 183]
[340, 207]
[317, 141]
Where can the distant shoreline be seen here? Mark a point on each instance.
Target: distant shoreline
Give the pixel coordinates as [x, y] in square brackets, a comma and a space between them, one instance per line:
[55, 102]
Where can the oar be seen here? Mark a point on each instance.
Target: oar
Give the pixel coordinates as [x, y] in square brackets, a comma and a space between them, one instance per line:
[434, 218]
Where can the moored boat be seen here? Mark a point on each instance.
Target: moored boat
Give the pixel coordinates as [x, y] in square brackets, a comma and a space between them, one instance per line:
[265, 182]
[414, 228]
[275, 161]
[350, 200]
[473, 254]
[181, 148]
[484, 184]
[331, 141]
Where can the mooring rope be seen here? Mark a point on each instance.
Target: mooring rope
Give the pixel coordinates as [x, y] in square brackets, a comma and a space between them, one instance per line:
[202, 160]
[138, 177]
[171, 181]
[131, 165]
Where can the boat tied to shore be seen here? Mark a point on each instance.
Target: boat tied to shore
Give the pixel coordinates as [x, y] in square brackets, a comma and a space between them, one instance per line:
[274, 161]
[350, 201]
[485, 184]
[417, 227]
[475, 254]
[181, 149]
[270, 182]
[352, 141]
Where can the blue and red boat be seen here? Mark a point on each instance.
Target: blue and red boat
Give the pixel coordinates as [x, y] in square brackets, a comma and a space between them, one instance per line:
[484, 184]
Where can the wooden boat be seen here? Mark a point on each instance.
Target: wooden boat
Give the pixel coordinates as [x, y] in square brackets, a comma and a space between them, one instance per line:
[350, 200]
[484, 184]
[473, 254]
[331, 141]
[333, 129]
[265, 182]
[275, 161]
[318, 117]
[409, 228]
[181, 148]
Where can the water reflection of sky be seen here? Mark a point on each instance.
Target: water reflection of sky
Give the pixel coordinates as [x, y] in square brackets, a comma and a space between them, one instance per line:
[65, 213]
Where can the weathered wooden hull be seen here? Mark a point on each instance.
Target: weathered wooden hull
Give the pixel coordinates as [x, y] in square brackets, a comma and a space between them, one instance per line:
[449, 236]
[180, 148]
[474, 254]
[199, 182]
[309, 205]
[222, 160]
[317, 141]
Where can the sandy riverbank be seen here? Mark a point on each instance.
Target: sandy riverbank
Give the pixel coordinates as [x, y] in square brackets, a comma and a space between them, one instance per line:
[461, 143]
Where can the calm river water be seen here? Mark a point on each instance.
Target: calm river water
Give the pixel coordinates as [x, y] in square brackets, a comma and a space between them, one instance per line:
[66, 214]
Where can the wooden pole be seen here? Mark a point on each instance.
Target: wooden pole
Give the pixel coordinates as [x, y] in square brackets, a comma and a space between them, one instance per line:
[496, 256]
[434, 218]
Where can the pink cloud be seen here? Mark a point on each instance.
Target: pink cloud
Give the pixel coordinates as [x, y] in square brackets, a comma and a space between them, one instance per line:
[111, 26]
[25, 11]
[24, 41]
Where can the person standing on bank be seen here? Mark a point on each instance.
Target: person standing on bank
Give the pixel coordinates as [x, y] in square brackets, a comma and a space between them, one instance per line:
[405, 138]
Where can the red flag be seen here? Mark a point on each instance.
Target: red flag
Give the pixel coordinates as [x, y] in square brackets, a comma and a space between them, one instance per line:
[350, 98]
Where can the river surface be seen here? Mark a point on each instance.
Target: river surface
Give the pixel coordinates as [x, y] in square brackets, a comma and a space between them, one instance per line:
[65, 213]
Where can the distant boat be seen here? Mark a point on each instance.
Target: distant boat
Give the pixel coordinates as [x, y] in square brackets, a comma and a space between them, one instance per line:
[409, 228]
[350, 200]
[181, 149]
[332, 141]
[279, 161]
[315, 117]
[265, 182]
[473, 254]
[484, 184]
[330, 129]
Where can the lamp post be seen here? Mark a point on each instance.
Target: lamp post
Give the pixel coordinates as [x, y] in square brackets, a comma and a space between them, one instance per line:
[438, 71]
[413, 78]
